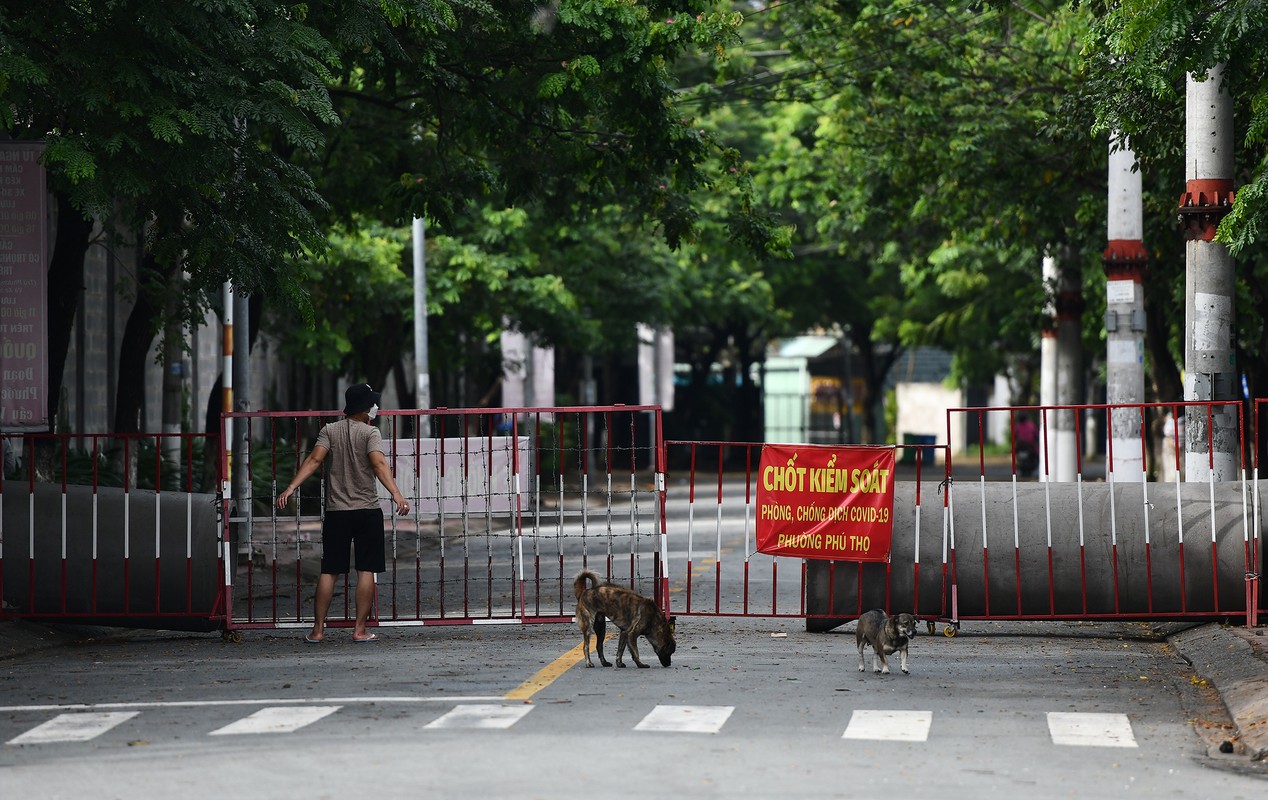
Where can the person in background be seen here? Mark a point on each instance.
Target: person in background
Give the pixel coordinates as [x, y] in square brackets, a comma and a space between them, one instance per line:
[1026, 434]
[353, 519]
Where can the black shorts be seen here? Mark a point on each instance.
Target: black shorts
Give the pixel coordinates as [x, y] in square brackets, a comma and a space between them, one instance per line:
[363, 528]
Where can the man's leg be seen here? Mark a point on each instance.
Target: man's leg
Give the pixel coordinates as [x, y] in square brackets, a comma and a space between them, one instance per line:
[325, 591]
[365, 600]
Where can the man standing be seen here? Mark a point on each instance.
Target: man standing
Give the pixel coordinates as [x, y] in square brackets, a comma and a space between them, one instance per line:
[353, 516]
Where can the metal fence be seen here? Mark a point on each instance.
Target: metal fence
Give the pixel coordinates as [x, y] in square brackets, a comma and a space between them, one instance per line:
[715, 569]
[1098, 544]
[507, 505]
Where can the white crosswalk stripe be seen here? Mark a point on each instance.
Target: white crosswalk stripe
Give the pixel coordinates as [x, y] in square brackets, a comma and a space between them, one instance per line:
[686, 719]
[1090, 730]
[276, 719]
[1064, 728]
[481, 716]
[74, 727]
[890, 726]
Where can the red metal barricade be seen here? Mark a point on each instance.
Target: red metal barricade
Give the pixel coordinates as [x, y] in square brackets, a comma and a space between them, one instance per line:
[1256, 602]
[715, 569]
[111, 530]
[1100, 538]
[507, 506]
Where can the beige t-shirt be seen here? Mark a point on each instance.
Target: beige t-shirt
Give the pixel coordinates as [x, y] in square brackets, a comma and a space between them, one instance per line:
[350, 480]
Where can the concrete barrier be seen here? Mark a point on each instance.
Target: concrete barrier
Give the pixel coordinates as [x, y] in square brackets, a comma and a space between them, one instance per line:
[138, 558]
[1140, 551]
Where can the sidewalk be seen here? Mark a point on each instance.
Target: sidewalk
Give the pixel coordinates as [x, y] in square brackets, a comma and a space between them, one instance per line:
[1233, 660]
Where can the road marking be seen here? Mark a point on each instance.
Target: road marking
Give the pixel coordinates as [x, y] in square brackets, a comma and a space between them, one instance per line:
[276, 719]
[74, 727]
[550, 673]
[890, 726]
[1090, 730]
[481, 716]
[269, 701]
[686, 719]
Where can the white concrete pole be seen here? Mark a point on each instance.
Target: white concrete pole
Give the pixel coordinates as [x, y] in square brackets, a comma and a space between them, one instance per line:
[1048, 371]
[1125, 260]
[1069, 370]
[1210, 368]
[422, 380]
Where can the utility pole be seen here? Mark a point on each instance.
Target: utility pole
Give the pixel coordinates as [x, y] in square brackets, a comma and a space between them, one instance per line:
[173, 377]
[1061, 370]
[241, 440]
[1069, 367]
[226, 382]
[1048, 367]
[422, 383]
[1125, 260]
[1210, 369]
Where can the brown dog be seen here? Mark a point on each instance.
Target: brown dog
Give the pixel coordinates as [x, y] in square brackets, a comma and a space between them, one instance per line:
[634, 614]
[885, 635]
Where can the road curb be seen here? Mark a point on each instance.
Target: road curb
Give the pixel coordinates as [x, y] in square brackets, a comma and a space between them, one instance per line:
[1235, 661]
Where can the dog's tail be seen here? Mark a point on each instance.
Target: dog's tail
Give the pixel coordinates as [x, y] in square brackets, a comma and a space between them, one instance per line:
[585, 579]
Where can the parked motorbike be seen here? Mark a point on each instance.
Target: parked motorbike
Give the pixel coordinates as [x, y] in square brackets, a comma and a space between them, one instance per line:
[1027, 459]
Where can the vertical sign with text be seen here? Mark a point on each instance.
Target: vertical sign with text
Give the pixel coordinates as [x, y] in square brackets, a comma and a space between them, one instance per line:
[23, 297]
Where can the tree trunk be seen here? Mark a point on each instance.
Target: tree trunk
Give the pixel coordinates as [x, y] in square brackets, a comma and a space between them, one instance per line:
[134, 349]
[65, 286]
[1165, 373]
[875, 370]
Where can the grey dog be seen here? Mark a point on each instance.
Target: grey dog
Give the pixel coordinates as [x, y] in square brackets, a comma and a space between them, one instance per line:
[886, 635]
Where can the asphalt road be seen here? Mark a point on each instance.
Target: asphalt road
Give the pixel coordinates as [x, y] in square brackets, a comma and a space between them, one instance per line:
[750, 707]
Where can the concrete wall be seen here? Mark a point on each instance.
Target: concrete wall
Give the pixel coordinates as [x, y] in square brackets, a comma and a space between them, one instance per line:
[922, 411]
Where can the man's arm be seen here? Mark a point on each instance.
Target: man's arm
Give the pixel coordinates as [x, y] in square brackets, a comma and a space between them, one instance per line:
[384, 473]
[305, 471]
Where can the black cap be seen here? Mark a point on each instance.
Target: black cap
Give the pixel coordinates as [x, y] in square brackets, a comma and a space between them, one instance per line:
[359, 397]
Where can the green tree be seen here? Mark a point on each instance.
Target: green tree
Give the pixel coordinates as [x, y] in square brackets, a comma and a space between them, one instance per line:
[212, 128]
[929, 160]
[547, 150]
[158, 119]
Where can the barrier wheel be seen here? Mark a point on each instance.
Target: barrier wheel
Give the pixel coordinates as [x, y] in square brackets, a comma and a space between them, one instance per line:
[933, 627]
[233, 637]
[949, 631]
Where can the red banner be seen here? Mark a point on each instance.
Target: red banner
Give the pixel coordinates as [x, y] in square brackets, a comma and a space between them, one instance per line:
[826, 502]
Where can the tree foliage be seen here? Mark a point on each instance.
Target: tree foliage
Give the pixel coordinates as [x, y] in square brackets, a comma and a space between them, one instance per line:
[1145, 51]
[234, 132]
[568, 106]
[546, 146]
[925, 155]
[737, 171]
[1139, 55]
[163, 117]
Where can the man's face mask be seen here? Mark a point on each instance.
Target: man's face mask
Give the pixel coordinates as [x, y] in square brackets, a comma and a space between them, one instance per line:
[373, 412]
